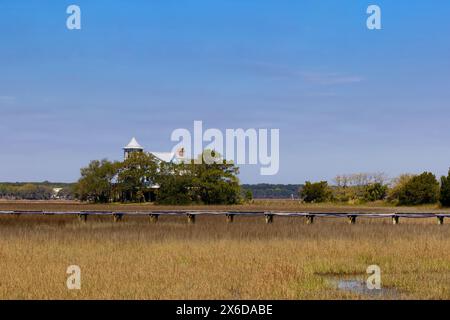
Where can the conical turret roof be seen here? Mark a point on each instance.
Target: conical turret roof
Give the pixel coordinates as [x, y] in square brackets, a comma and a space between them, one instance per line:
[133, 144]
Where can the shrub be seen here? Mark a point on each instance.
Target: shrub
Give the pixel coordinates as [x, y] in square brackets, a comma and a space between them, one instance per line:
[398, 186]
[348, 194]
[421, 189]
[374, 192]
[315, 192]
[96, 182]
[444, 197]
[248, 195]
[176, 190]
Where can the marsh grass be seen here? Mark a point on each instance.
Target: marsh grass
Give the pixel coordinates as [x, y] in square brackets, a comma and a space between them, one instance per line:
[135, 259]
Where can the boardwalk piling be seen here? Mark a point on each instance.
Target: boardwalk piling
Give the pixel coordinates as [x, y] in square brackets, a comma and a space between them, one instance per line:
[153, 218]
[269, 218]
[440, 220]
[117, 217]
[310, 219]
[395, 219]
[82, 217]
[230, 217]
[351, 219]
[191, 218]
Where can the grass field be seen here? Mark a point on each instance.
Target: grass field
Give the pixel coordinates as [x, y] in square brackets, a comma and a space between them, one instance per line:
[247, 259]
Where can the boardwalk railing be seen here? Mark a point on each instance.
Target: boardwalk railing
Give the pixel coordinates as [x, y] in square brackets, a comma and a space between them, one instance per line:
[268, 215]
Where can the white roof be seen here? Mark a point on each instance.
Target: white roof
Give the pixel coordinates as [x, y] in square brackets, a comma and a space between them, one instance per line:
[133, 144]
[164, 156]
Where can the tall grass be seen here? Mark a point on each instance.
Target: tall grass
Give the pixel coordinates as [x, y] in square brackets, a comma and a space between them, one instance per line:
[247, 259]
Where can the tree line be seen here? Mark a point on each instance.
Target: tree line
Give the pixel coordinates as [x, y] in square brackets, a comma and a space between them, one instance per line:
[142, 177]
[35, 190]
[407, 189]
[272, 191]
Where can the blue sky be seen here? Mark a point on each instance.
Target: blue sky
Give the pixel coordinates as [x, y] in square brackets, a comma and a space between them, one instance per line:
[346, 99]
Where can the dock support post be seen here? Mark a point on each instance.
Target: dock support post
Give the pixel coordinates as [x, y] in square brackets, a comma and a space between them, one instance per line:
[310, 219]
[230, 218]
[351, 219]
[191, 218]
[82, 217]
[117, 217]
[395, 219]
[440, 220]
[153, 218]
[269, 218]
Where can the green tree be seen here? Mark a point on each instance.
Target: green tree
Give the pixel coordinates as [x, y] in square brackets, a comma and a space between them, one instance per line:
[210, 181]
[215, 180]
[136, 176]
[397, 186]
[96, 182]
[315, 192]
[248, 195]
[375, 191]
[176, 184]
[421, 189]
[444, 197]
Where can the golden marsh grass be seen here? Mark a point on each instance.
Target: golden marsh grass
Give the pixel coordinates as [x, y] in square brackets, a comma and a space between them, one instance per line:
[135, 259]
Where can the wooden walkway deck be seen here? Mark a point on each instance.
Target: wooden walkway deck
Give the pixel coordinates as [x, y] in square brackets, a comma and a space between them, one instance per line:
[268, 215]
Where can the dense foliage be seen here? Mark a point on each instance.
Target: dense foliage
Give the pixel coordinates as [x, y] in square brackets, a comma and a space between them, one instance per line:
[375, 191]
[421, 189]
[359, 188]
[315, 192]
[444, 196]
[97, 181]
[141, 177]
[35, 191]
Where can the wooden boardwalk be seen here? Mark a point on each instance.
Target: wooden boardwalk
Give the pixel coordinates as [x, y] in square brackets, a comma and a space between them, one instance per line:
[230, 215]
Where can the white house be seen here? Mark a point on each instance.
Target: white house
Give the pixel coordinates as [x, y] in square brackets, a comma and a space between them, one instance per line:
[134, 146]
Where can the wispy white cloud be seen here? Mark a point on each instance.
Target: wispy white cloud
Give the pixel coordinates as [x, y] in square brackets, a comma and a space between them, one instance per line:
[283, 71]
[331, 78]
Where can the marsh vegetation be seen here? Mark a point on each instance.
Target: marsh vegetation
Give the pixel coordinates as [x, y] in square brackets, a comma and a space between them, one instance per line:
[135, 259]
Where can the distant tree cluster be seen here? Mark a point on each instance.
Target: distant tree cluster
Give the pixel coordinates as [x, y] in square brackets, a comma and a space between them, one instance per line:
[142, 177]
[352, 188]
[404, 190]
[272, 191]
[34, 191]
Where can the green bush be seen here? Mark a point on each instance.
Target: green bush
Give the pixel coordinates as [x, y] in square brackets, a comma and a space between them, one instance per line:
[444, 197]
[397, 187]
[315, 192]
[176, 190]
[374, 192]
[248, 195]
[421, 189]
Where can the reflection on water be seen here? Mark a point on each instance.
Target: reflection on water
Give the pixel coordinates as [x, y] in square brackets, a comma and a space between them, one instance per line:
[358, 285]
